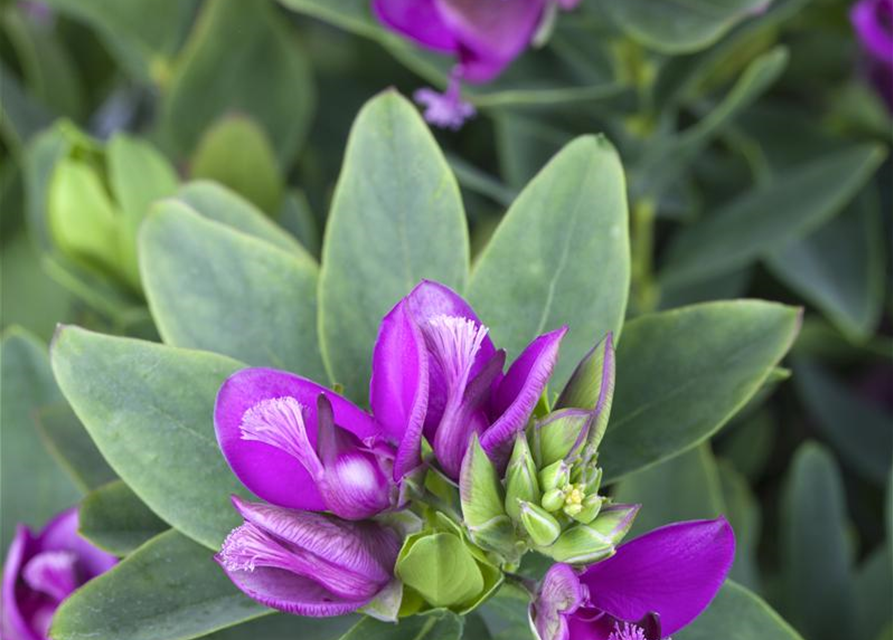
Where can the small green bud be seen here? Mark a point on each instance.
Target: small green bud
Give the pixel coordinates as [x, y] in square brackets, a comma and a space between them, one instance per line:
[615, 521]
[479, 487]
[441, 568]
[553, 500]
[520, 479]
[590, 508]
[592, 387]
[542, 527]
[591, 478]
[560, 435]
[580, 544]
[555, 476]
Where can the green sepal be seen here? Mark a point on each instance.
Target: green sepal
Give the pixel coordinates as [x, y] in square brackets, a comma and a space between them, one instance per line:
[553, 500]
[387, 604]
[555, 476]
[480, 491]
[520, 479]
[591, 387]
[615, 521]
[541, 526]
[592, 505]
[580, 544]
[560, 435]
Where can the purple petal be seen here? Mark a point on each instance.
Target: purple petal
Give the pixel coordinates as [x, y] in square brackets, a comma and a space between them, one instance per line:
[398, 391]
[561, 594]
[491, 34]
[269, 471]
[54, 573]
[418, 20]
[567, 5]
[674, 571]
[61, 534]
[518, 393]
[14, 623]
[872, 20]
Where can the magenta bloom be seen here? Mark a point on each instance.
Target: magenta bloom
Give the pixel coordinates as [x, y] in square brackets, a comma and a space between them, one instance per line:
[41, 571]
[305, 563]
[301, 446]
[484, 36]
[873, 21]
[652, 587]
[436, 370]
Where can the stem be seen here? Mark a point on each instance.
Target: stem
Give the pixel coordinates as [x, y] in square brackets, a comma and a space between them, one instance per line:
[644, 287]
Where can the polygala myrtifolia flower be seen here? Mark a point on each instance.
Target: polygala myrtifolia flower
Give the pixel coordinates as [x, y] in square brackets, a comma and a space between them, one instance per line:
[873, 21]
[43, 570]
[485, 36]
[652, 587]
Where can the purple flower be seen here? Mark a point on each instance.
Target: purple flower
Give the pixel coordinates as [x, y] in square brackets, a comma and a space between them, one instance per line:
[301, 446]
[435, 370]
[41, 571]
[485, 36]
[873, 21]
[305, 563]
[651, 588]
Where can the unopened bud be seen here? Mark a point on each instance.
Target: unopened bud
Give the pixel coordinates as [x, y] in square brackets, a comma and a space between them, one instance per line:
[560, 435]
[521, 483]
[581, 544]
[542, 527]
[615, 521]
[592, 387]
[555, 476]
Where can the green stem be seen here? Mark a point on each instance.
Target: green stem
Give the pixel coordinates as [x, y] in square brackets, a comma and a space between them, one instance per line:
[644, 286]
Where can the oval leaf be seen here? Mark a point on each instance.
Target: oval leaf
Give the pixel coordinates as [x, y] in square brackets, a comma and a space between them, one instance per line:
[114, 519]
[560, 256]
[441, 625]
[396, 219]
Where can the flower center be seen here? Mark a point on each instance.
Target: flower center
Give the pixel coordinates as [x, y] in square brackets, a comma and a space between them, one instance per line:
[627, 631]
[248, 547]
[53, 573]
[278, 422]
[454, 342]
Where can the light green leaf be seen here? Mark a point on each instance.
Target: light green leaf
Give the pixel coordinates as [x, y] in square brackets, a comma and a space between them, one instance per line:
[676, 27]
[738, 614]
[213, 288]
[858, 428]
[682, 374]
[839, 268]
[33, 486]
[560, 256]
[149, 408]
[67, 439]
[818, 592]
[236, 152]
[764, 219]
[396, 219]
[440, 625]
[212, 77]
[113, 518]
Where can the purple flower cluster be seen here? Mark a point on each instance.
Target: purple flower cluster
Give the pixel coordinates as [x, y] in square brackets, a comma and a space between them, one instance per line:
[873, 21]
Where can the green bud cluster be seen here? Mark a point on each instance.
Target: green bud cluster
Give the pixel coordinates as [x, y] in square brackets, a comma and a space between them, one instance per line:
[548, 498]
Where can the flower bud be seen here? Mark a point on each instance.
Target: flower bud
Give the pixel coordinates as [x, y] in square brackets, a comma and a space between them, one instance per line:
[581, 544]
[542, 527]
[615, 521]
[555, 476]
[483, 503]
[521, 483]
[560, 435]
[589, 509]
[591, 387]
[553, 500]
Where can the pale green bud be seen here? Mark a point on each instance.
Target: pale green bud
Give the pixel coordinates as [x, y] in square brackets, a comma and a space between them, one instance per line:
[542, 527]
[589, 509]
[555, 476]
[592, 387]
[560, 435]
[580, 544]
[553, 500]
[479, 487]
[520, 479]
[615, 521]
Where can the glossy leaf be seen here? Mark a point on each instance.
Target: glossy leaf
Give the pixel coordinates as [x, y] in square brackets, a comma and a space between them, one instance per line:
[738, 614]
[560, 256]
[149, 409]
[818, 594]
[67, 439]
[440, 625]
[34, 487]
[751, 225]
[673, 27]
[213, 77]
[114, 519]
[396, 218]
[682, 374]
[214, 288]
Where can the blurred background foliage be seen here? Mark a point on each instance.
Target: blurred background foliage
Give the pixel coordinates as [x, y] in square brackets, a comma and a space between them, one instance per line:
[756, 160]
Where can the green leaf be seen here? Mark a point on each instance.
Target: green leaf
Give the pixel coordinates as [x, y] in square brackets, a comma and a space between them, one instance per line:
[282, 626]
[874, 593]
[440, 567]
[818, 581]
[213, 288]
[738, 614]
[218, 203]
[149, 408]
[33, 486]
[396, 219]
[751, 225]
[169, 589]
[236, 152]
[839, 268]
[113, 518]
[857, 427]
[743, 511]
[560, 256]
[212, 77]
[67, 439]
[676, 27]
[682, 374]
[439, 625]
